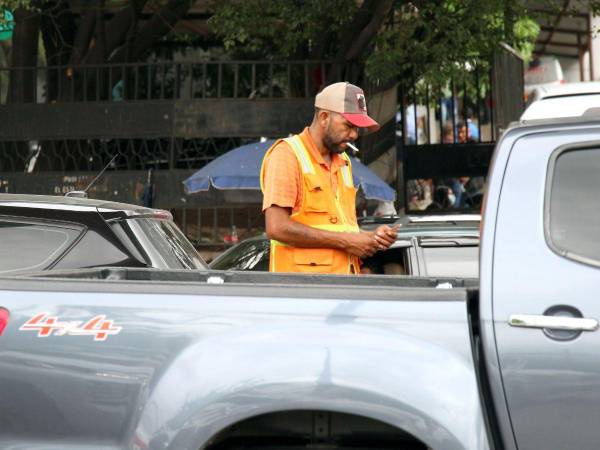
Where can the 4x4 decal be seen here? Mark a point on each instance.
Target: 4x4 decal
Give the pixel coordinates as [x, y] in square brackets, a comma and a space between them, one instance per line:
[47, 325]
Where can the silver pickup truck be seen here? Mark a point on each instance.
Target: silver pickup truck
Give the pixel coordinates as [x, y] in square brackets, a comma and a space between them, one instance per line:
[138, 359]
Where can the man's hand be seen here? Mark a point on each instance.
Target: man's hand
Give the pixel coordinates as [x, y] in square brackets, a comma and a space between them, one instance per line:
[366, 243]
[386, 236]
[281, 227]
[361, 244]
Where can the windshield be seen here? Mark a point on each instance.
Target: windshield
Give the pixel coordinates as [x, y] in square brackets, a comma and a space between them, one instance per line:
[163, 244]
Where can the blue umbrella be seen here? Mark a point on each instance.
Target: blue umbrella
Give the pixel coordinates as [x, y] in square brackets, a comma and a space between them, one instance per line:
[240, 169]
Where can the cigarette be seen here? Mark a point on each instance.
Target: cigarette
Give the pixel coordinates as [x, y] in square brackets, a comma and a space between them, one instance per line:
[353, 147]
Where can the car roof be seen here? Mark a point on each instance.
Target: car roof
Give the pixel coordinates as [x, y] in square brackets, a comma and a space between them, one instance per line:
[423, 221]
[60, 202]
[562, 107]
[563, 100]
[421, 226]
[439, 228]
[567, 89]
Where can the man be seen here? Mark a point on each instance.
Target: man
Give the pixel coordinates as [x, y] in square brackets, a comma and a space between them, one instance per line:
[309, 195]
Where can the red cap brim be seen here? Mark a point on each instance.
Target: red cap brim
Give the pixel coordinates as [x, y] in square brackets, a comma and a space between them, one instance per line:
[361, 121]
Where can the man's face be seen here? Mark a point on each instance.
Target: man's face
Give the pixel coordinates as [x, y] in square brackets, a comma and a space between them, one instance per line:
[338, 132]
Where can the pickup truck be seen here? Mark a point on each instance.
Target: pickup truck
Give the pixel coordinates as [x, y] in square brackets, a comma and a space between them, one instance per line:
[138, 358]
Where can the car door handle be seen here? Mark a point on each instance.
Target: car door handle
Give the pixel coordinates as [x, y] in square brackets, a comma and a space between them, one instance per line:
[553, 322]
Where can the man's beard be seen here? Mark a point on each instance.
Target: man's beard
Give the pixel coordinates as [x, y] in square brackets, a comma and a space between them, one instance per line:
[332, 145]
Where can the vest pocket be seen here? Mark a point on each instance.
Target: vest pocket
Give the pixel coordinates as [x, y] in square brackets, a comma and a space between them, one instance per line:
[316, 203]
[315, 196]
[313, 256]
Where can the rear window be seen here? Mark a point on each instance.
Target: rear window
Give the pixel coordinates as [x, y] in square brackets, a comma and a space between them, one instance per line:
[30, 246]
[164, 244]
[573, 205]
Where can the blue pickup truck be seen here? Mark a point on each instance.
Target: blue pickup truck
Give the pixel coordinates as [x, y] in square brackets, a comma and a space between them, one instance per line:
[139, 358]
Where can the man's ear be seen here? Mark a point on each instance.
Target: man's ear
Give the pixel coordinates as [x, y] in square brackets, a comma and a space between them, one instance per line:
[324, 117]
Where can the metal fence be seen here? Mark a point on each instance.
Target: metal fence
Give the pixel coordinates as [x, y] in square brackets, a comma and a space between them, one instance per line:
[170, 80]
[434, 115]
[55, 167]
[72, 155]
[446, 134]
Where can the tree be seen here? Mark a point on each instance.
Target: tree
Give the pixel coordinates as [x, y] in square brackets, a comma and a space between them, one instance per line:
[416, 39]
[75, 35]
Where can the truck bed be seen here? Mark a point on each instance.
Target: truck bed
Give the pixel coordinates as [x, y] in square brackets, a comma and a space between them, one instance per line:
[185, 357]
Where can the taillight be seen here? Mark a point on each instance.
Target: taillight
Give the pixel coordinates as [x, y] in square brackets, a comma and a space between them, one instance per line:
[3, 319]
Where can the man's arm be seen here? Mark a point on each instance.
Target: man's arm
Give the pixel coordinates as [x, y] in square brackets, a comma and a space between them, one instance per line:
[281, 227]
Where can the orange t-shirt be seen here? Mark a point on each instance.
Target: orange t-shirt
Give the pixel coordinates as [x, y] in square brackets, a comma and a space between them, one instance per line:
[282, 184]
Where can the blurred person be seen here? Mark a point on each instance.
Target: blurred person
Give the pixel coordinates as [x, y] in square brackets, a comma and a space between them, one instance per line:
[465, 133]
[448, 133]
[443, 198]
[419, 193]
[385, 208]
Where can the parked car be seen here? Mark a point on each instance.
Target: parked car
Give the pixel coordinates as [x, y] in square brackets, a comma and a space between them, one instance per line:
[51, 232]
[562, 100]
[432, 245]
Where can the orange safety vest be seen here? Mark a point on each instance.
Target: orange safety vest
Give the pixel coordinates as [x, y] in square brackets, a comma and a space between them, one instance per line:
[321, 208]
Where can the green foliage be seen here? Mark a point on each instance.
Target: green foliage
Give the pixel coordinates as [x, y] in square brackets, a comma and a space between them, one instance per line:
[430, 39]
[14, 4]
[280, 29]
[525, 32]
[437, 40]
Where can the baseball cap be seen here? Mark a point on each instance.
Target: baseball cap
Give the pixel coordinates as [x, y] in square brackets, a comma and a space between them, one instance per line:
[349, 101]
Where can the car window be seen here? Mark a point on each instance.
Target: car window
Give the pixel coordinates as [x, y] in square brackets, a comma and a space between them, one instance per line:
[32, 246]
[164, 244]
[249, 255]
[453, 261]
[93, 250]
[573, 214]
[393, 261]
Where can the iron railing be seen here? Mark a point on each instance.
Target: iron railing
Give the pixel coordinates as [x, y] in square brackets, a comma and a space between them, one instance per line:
[446, 135]
[169, 80]
[434, 115]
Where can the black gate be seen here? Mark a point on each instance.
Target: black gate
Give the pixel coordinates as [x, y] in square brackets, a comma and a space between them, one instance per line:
[446, 136]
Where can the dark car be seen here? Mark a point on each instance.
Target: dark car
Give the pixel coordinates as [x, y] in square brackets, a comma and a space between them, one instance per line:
[50, 232]
[433, 245]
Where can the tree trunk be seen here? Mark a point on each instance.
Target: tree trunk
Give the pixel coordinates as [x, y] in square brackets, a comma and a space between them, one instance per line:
[358, 35]
[98, 83]
[23, 75]
[58, 34]
[154, 29]
[149, 34]
[84, 35]
[119, 27]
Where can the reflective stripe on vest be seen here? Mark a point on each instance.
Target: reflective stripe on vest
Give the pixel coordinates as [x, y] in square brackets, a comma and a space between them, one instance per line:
[346, 173]
[301, 154]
